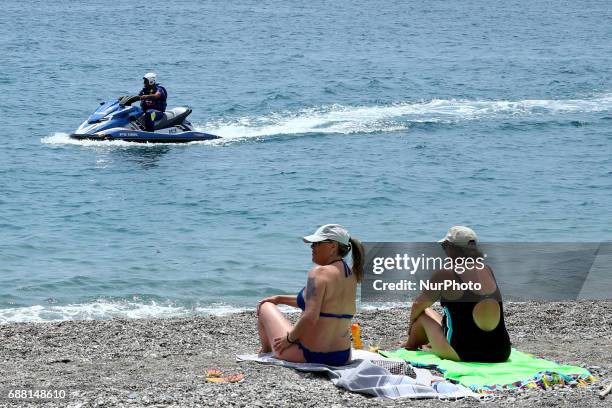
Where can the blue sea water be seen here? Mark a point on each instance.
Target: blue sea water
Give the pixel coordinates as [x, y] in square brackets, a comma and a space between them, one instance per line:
[396, 119]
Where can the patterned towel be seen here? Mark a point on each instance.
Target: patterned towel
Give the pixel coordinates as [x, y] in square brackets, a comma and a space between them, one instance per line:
[375, 375]
[522, 370]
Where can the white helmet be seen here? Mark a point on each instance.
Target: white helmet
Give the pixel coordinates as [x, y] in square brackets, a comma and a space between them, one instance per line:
[150, 77]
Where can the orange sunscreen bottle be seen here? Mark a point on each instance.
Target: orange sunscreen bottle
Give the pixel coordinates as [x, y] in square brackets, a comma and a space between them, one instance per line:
[356, 332]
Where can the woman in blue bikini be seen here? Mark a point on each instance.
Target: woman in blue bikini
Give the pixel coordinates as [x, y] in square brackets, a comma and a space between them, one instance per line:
[322, 334]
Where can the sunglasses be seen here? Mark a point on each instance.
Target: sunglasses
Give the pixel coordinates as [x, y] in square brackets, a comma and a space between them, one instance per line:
[315, 244]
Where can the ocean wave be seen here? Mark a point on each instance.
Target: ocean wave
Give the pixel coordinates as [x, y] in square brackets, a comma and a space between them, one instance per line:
[373, 306]
[104, 309]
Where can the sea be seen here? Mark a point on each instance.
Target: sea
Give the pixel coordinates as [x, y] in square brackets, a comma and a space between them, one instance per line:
[396, 119]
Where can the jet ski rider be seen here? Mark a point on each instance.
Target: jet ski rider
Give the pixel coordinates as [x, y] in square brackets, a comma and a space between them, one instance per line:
[153, 100]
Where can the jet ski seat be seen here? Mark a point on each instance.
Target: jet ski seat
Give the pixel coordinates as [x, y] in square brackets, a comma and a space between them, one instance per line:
[172, 117]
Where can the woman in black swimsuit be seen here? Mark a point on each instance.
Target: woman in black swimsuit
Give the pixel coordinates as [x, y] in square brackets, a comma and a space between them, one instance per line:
[472, 328]
[322, 334]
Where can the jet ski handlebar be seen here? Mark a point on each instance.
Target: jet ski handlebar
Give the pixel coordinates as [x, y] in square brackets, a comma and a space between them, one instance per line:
[128, 100]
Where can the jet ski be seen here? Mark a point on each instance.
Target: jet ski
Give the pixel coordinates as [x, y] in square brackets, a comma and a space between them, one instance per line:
[120, 120]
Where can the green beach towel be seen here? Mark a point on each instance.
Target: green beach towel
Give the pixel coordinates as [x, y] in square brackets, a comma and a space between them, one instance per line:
[522, 370]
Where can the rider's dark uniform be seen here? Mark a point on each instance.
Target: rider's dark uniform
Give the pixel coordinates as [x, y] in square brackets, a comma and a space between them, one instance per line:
[153, 108]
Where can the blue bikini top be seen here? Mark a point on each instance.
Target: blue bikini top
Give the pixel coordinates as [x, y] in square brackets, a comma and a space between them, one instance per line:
[302, 304]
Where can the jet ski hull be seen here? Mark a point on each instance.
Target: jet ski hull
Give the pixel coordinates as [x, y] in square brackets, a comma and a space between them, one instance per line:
[141, 136]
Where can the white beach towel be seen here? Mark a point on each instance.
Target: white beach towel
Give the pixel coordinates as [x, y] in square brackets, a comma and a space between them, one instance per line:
[372, 374]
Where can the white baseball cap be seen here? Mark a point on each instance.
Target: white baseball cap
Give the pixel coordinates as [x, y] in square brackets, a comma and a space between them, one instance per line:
[461, 236]
[329, 232]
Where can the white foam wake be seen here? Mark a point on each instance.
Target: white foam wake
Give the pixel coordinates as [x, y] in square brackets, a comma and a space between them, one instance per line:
[392, 117]
[60, 138]
[101, 310]
[339, 119]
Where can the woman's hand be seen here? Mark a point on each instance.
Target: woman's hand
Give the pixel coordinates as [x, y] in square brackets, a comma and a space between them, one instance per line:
[271, 299]
[281, 344]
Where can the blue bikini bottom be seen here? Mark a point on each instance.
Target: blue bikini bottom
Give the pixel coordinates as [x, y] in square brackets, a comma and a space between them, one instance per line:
[332, 358]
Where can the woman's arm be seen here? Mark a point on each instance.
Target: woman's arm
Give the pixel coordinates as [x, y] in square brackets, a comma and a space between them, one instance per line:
[289, 300]
[315, 292]
[426, 298]
[418, 307]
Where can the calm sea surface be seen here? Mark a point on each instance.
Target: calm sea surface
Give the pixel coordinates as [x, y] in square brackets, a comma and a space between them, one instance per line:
[396, 119]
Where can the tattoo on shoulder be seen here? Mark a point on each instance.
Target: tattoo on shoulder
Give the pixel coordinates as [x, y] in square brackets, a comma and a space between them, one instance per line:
[311, 288]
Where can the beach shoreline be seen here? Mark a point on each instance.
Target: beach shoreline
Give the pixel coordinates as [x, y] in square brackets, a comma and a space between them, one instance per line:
[162, 362]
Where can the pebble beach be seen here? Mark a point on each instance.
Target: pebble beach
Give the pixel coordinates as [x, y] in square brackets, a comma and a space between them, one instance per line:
[162, 362]
[129, 271]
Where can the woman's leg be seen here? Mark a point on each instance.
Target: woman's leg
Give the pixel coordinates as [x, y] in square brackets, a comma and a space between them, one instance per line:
[417, 336]
[274, 325]
[266, 346]
[434, 315]
[431, 330]
[428, 329]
